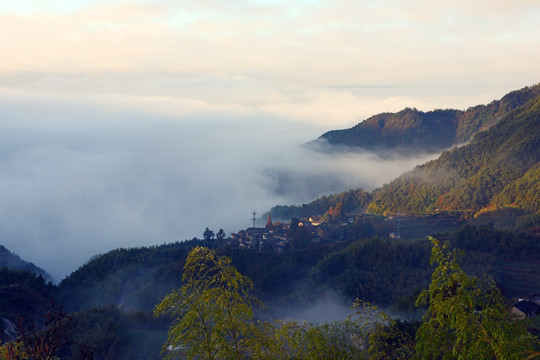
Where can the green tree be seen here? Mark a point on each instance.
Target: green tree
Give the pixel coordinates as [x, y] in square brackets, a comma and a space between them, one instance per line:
[295, 340]
[393, 340]
[213, 311]
[299, 237]
[466, 318]
[214, 320]
[208, 234]
[220, 235]
[344, 339]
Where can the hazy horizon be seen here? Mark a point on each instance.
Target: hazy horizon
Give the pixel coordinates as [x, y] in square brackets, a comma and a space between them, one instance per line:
[129, 123]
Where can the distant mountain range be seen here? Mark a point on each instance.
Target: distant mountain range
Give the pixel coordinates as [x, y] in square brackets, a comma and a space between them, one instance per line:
[414, 130]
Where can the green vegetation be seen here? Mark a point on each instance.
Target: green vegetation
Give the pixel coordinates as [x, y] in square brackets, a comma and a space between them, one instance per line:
[392, 272]
[117, 334]
[214, 320]
[213, 310]
[352, 201]
[134, 278]
[499, 169]
[465, 319]
[377, 270]
[523, 192]
[104, 333]
[494, 170]
[389, 272]
[409, 128]
[47, 343]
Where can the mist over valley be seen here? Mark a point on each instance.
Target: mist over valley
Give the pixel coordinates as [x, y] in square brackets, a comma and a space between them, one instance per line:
[75, 184]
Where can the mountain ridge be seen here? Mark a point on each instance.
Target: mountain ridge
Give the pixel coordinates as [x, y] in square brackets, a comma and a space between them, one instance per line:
[14, 262]
[414, 130]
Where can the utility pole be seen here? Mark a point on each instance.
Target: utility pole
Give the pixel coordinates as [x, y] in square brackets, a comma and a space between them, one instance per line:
[398, 235]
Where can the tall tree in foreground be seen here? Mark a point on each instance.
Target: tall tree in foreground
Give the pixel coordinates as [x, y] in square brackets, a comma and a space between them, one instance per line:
[213, 311]
[467, 318]
[214, 320]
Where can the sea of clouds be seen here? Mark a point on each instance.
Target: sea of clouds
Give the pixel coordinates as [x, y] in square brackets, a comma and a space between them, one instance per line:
[77, 180]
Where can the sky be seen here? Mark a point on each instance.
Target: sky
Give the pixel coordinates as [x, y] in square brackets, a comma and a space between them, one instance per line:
[132, 123]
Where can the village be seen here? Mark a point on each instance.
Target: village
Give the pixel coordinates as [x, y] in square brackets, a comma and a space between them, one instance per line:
[335, 227]
[278, 236]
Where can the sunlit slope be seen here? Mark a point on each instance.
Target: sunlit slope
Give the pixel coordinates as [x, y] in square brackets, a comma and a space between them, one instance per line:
[414, 130]
[498, 168]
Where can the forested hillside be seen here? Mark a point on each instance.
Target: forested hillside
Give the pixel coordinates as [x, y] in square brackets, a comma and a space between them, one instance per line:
[133, 278]
[136, 278]
[14, 262]
[23, 295]
[496, 173]
[499, 168]
[353, 201]
[414, 130]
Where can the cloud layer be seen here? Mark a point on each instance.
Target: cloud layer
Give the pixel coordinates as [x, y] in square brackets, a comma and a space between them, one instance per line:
[75, 181]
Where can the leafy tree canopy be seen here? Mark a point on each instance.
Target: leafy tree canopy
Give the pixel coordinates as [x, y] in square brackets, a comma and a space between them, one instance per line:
[466, 318]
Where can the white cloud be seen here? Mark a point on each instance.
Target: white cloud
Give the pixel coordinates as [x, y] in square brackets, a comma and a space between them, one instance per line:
[77, 180]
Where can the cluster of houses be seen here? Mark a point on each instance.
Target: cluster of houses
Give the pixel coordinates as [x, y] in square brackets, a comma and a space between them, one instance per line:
[277, 236]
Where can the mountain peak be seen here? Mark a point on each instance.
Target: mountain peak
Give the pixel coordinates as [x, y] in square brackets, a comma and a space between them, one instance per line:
[437, 130]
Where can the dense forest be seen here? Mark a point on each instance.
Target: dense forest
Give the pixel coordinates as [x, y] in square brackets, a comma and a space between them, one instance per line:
[395, 273]
[481, 200]
[110, 299]
[353, 201]
[499, 168]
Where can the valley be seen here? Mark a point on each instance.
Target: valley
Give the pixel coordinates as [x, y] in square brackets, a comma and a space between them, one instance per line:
[482, 197]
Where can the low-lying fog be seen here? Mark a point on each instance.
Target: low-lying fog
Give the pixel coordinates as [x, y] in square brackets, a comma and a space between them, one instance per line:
[128, 123]
[76, 181]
